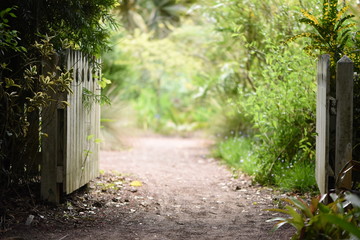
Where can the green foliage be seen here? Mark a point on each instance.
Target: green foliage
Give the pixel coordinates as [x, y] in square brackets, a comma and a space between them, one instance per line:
[8, 37]
[83, 23]
[31, 91]
[283, 112]
[30, 76]
[331, 32]
[163, 78]
[339, 219]
[268, 89]
[299, 177]
[166, 113]
[248, 29]
[158, 17]
[22, 97]
[89, 98]
[236, 151]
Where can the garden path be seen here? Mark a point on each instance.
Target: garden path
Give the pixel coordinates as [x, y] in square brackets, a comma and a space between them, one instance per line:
[185, 194]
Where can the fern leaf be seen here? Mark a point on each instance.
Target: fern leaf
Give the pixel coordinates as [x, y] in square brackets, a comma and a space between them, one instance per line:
[340, 26]
[341, 12]
[310, 17]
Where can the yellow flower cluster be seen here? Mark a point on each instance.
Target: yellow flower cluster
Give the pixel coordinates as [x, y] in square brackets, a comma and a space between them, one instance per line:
[327, 36]
[341, 12]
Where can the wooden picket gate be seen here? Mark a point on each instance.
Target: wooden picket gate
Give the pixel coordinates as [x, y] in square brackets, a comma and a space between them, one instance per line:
[70, 153]
[334, 122]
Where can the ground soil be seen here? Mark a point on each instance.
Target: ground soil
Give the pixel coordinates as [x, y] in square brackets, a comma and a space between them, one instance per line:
[184, 194]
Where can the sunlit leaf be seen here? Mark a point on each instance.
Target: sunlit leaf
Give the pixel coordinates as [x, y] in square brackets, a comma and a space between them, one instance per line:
[136, 184]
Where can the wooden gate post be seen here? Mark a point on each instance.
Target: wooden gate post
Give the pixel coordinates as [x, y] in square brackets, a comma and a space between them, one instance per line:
[52, 146]
[323, 123]
[344, 116]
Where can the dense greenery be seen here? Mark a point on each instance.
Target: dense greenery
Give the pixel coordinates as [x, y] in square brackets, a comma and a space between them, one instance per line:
[157, 17]
[82, 24]
[163, 78]
[275, 91]
[283, 111]
[281, 105]
[33, 37]
[235, 67]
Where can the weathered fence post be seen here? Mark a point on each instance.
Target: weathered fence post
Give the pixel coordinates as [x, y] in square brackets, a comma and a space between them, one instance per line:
[344, 116]
[322, 123]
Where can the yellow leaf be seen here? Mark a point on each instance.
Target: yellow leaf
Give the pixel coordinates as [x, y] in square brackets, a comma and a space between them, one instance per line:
[136, 184]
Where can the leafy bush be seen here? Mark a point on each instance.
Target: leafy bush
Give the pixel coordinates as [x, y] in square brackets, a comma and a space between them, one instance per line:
[22, 97]
[331, 33]
[248, 28]
[268, 87]
[33, 36]
[282, 111]
[276, 86]
[339, 219]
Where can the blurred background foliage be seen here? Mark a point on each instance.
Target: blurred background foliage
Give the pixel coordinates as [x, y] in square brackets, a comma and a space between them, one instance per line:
[224, 66]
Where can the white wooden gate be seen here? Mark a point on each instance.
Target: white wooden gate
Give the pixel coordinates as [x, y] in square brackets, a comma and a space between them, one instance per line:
[83, 125]
[334, 120]
[70, 153]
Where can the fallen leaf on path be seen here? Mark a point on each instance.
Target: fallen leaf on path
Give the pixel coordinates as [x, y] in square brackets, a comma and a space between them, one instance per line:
[136, 184]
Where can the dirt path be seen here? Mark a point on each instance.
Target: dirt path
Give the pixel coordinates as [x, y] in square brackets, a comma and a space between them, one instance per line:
[185, 195]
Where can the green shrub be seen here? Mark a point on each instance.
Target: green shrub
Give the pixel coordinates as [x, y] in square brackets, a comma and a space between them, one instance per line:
[282, 111]
[332, 32]
[267, 90]
[33, 36]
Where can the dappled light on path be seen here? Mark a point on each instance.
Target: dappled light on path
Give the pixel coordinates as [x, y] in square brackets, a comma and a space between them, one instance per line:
[188, 195]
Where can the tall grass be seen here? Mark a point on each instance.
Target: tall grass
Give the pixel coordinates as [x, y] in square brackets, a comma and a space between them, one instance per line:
[236, 152]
